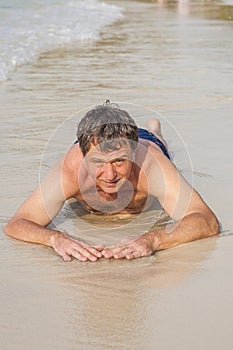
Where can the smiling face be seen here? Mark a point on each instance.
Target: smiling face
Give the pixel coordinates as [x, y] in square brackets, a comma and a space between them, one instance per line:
[109, 169]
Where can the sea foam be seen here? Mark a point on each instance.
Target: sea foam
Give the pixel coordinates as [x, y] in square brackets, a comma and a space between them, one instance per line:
[28, 28]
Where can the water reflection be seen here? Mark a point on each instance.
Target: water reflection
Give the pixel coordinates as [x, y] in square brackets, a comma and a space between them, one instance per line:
[217, 10]
[115, 299]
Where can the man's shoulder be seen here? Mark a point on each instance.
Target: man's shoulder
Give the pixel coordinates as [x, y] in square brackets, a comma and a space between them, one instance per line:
[69, 167]
[149, 153]
[72, 159]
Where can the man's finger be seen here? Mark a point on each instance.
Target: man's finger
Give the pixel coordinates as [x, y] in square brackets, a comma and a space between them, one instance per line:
[77, 255]
[95, 250]
[123, 253]
[86, 253]
[108, 254]
[137, 254]
[66, 257]
[130, 256]
[85, 250]
[99, 247]
[114, 249]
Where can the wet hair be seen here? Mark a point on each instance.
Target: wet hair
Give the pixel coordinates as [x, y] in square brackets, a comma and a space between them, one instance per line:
[107, 126]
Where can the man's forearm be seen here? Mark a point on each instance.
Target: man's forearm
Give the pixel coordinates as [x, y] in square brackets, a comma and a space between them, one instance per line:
[62, 243]
[29, 231]
[192, 227]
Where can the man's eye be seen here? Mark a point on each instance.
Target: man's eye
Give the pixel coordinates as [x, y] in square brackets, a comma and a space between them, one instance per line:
[97, 162]
[119, 161]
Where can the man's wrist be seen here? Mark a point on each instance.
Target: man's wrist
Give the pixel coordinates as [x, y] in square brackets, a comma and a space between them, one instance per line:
[54, 237]
[154, 239]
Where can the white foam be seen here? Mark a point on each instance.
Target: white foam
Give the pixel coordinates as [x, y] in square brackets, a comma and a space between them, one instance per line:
[40, 26]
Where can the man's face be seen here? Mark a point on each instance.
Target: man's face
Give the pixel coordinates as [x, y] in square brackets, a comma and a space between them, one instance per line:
[110, 170]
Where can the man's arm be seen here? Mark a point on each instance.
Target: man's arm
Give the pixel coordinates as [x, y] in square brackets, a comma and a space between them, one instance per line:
[193, 219]
[197, 224]
[192, 227]
[30, 221]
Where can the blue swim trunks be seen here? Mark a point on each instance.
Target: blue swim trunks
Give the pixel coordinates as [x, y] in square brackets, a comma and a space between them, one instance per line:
[147, 135]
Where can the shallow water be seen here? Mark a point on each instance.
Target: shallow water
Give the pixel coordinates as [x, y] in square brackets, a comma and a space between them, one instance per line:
[166, 56]
[29, 27]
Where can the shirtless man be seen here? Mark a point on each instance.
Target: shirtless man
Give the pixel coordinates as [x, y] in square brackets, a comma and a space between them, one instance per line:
[114, 167]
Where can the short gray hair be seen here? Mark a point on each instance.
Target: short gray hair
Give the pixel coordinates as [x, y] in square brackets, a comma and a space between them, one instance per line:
[107, 125]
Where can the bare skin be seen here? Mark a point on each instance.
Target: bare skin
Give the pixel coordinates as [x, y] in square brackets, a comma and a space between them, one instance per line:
[154, 126]
[114, 182]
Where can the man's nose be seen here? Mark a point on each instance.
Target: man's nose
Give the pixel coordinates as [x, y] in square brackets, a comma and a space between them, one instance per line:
[109, 171]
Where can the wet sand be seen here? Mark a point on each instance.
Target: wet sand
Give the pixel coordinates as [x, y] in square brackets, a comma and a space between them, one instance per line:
[171, 57]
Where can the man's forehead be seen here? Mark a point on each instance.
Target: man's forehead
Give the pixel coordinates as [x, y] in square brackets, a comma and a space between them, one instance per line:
[95, 151]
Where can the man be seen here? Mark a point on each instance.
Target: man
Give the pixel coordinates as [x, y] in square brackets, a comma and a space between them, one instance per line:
[114, 167]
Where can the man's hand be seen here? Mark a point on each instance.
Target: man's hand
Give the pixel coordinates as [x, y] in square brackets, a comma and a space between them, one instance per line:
[69, 248]
[131, 248]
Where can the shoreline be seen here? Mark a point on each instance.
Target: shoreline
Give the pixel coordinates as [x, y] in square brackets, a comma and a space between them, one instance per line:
[154, 59]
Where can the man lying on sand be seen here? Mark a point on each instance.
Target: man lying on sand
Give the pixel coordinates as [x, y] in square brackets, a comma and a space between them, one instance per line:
[114, 167]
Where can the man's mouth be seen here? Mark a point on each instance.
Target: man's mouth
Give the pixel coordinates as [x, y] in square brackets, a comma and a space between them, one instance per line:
[110, 183]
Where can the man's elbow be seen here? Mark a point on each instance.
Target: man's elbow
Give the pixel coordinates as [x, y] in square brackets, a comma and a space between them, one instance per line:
[213, 226]
[9, 228]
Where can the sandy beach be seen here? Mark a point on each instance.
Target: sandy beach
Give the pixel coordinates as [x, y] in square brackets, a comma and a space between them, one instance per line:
[165, 59]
